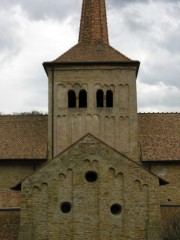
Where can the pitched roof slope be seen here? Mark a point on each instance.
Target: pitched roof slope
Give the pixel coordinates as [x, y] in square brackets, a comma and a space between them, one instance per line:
[93, 52]
[159, 135]
[9, 224]
[23, 137]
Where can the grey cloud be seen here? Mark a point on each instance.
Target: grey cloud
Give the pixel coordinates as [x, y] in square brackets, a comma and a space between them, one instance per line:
[166, 73]
[35, 89]
[122, 3]
[136, 22]
[42, 9]
[170, 100]
[10, 40]
[172, 42]
[158, 98]
[167, 1]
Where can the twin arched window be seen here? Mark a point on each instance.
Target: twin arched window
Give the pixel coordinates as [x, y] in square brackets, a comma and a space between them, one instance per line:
[100, 98]
[73, 101]
[81, 102]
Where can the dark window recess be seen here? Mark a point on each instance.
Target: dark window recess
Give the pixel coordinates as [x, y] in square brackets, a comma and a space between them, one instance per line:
[83, 99]
[91, 176]
[65, 207]
[99, 98]
[116, 209]
[109, 98]
[35, 165]
[71, 99]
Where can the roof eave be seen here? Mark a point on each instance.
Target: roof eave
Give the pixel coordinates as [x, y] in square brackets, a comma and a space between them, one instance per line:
[162, 182]
[91, 63]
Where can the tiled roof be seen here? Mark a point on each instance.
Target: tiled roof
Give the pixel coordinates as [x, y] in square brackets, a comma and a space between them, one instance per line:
[94, 52]
[23, 137]
[159, 136]
[9, 224]
[93, 25]
[93, 45]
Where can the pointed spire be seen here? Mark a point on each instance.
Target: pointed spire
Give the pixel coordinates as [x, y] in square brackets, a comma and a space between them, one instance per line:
[93, 45]
[93, 27]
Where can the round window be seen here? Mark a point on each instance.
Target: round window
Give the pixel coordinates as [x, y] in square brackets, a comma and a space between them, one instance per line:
[91, 176]
[116, 209]
[65, 207]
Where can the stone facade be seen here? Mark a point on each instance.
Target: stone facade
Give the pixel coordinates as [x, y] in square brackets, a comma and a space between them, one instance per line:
[170, 193]
[96, 193]
[94, 185]
[116, 125]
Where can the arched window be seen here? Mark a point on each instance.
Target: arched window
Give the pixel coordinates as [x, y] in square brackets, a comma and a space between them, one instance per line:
[71, 99]
[99, 98]
[109, 98]
[83, 99]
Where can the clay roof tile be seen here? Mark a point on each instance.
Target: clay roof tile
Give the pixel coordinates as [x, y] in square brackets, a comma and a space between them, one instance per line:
[23, 137]
[159, 136]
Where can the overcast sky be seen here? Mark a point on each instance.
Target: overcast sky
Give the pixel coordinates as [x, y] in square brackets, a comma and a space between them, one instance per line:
[34, 31]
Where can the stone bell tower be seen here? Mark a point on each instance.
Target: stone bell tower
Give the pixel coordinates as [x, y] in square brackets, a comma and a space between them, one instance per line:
[92, 89]
[89, 190]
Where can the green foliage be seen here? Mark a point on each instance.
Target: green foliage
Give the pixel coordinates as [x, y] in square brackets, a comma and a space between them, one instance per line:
[34, 112]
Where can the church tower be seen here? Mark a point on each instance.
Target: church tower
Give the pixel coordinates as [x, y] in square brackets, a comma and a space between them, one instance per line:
[89, 190]
[92, 89]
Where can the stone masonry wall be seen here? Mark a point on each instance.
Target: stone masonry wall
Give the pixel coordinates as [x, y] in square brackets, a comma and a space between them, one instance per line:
[121, 202]
[116, 126]
[170, 171]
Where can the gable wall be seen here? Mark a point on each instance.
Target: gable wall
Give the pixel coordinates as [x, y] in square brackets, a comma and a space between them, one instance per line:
[119, 181]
